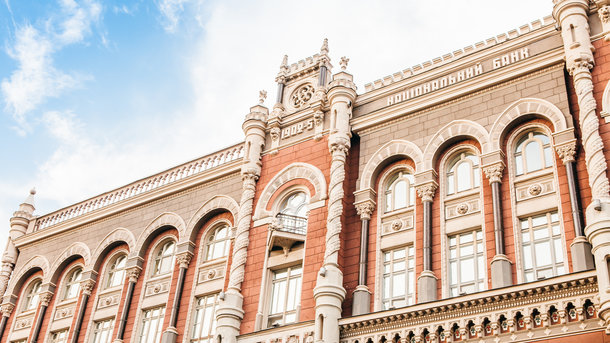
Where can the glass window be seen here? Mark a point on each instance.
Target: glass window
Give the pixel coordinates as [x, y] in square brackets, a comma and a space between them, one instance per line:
[204, 321]
[59, 336]
[32, 295]
[73, 284]
[218, 243]
[398, 278]
[294, 212]
[102, 331]
[533, 152]
[164, 258]
[467, 265]
[285, 296]
[463, 173]
[399, 192]
[542, 247]
[116, 271]
[152, 321]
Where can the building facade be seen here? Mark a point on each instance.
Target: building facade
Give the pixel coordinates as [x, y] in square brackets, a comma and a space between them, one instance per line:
[463, 199]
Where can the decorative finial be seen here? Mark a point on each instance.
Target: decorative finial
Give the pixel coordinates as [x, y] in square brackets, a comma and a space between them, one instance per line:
[33, 191]
[324, 48]
[262, 95]
[285, 61]
[343, 62]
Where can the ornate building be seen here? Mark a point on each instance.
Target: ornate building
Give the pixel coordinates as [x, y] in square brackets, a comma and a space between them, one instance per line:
[463, 199]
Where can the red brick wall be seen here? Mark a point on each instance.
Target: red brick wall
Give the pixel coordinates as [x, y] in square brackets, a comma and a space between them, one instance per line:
[601, 75]
[19, 305]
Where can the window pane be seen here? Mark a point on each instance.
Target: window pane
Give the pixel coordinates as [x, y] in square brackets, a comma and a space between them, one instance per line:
[399, 266]
[466, 238]
[463, 176]
[548, 159]
[543, 254]
[541, 233]
[558, 251]
[398, 285]
[533, 156]
[527, 257]
[386, 287]
[453, 273]
[539, 220]
[481, 267]
[450, 185]
[519, 164]
[400, 194]
[467, 270]
[466, 250]
[399, 253]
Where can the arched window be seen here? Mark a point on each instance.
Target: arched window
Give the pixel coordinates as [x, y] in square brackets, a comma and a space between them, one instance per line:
[73, 284]
[399, 192]
[164, 258]
[533, 152]
[116, 271]
[293, 213]
[217, 243]
[463, 173]
[32, 295]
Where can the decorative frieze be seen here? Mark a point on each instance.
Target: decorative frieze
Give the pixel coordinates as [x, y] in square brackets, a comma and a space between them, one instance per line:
[157, 287]
[397, 224]
[24, 322]
[108, 300]
[64, 311]
[462, 208]
[535, 189]
[210, 273]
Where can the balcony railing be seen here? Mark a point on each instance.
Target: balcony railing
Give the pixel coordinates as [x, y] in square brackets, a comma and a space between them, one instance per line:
[293, 224]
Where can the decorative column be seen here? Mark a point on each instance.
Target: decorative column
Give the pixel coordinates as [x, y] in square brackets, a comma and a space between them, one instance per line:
[45, 299]
[230, 309]
[572, 15]
[426, 282]
[87, 288]
[582, 259]
[19, 225]
[501, 270]
[362, 296]
[329, 292]
[133, 274]
[7, 309]
[171, 333]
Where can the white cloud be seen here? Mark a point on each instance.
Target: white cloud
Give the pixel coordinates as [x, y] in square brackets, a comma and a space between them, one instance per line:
[171, 10]
[77, 20]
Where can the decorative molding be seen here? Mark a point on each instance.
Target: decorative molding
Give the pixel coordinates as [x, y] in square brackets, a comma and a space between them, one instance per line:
[87, 286]
[155, 287]
[390, 149]
[455, 128]
[170, 219]
[45, 298]
[7, 309]
[567, 152]
[494, 172]
[426, 191]
[184, 259]
[365, 209]
[133, 274]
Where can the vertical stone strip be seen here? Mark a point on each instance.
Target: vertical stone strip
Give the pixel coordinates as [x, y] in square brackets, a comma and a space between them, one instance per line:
[87, 287]
[45, 299]
[133, 274]
[170, 335]
[426, 282]
[501, 269]
[230, 309]
[362, 296]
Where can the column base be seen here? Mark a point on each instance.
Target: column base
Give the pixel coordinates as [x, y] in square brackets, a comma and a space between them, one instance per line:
[426, 287]
[228, 317]
[170, 335]
[598, 234]
[501, 272]
[328, 295]
[362, 300]
[582, 259]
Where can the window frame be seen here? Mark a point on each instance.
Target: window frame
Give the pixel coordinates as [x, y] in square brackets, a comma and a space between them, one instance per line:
[205, 243]
[409, 269]
[200, 325]
[157, 258]
[158, 332]
[520, 140]
[67, 283]
[458, 157]
[53, 336]
[297, 307]
[109, 269]
[388, 187]
[479, 281]
[27, 293]
[552, 238]
[95, 330]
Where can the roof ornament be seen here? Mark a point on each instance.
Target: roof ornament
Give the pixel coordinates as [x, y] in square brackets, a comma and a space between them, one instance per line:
[284, 62]
[343, 62]
[262, 95]
[324, 48]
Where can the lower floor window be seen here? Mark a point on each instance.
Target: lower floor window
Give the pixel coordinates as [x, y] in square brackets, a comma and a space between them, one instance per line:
[542, 246]
[398, 277]
[59, 336]
[285, 296]
[102, 331]
[204, 322]
[152, 320]
[466, 263]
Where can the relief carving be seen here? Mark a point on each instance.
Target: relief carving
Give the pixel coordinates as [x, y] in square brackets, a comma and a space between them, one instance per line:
[302, 95]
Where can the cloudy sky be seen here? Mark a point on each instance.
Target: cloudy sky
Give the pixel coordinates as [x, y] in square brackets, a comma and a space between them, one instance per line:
[95, 94]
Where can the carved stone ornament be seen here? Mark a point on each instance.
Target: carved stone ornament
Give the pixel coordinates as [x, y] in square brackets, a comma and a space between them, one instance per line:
[262, 95]
[343, 62]
[604, 14]
[494, 172]
[397, 225]
[87, 286]
[567, 152]
[318, 117]
[275, 133]
[45, 298]
[426, 191]
[133, 274]
[365, 209]
[580, 66]
[302, 95]
[211, 273]
[534, 189]
[7, 309]
[462, 208]
[184, 259]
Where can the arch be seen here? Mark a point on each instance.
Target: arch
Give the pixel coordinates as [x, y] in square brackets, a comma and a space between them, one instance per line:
[163, 220]
[606, 103]
[217, 204]
[455, 129]
[33, 264]
[297, 170]
[393, 148]
[521, 108]
[116, 237]
[77, 249]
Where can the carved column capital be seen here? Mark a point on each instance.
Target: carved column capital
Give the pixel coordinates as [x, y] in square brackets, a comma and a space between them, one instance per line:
[7, 309]
[426, 191]
[184, 259]
[494, 172]
[45, 298]
[580, 66]
[133, 274]
[87, 286]
[365, 209]
[567, 152]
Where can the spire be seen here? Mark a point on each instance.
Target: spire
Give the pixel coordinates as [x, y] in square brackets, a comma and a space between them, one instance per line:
[284, 62]
[30, 199]
[324, 48]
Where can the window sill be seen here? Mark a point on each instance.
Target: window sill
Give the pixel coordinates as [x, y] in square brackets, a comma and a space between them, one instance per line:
[534, 175]
[463, 194]
[397, 212]
[220, 260]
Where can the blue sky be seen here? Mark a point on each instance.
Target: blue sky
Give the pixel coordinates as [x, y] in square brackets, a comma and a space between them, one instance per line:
[95, 94]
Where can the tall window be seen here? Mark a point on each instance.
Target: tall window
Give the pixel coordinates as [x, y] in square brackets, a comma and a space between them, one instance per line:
[152, 321]
[32, 295]
[73, 284]
[59, 336]
[533, 153]
[116, 271]
[466, 263]
[102, 331]
[204, 323]
[217, 243]
[285, 296]
[164, 258]
[398, 277]
[293, 213]
[463, 173]
[399, 192]
[542, 246]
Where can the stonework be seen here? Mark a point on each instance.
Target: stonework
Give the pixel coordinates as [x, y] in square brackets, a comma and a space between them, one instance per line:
[464, 199]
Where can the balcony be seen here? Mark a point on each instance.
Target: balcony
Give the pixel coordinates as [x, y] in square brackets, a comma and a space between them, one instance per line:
[293, 224]
[286, 230]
